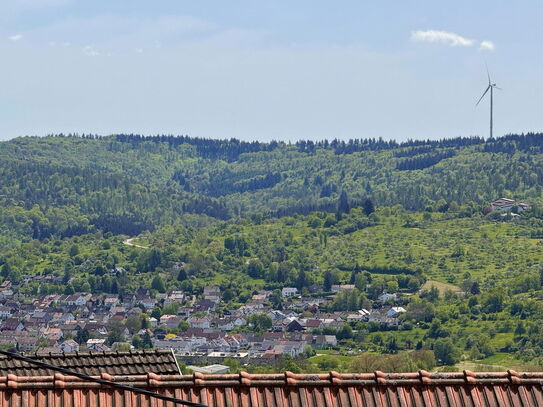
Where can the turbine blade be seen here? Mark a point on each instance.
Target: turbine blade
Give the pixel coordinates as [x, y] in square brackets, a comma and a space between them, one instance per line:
[495, 87]
[487, 73]
[481, 98]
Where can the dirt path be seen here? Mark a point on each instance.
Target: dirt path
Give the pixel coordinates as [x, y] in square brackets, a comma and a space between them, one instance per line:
[128, 242]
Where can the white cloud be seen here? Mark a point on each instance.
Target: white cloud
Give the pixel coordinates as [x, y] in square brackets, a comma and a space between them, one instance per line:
[441, 37]
[487, 46]
[91, 51]
[15, 37]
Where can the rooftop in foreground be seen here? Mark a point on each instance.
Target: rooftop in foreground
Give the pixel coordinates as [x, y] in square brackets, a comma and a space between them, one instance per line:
[285, 390]
[94, 363]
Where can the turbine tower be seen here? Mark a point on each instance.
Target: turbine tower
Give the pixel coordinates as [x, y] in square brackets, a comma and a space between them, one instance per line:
[491, 86]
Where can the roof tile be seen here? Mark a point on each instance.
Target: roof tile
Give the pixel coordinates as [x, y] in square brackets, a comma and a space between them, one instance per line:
[421, 389]
[94, 363]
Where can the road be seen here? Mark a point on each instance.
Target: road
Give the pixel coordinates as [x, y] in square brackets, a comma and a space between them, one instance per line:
[128, 242]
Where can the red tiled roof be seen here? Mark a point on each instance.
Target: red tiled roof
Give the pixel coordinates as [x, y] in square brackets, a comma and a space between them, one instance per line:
[377, 389]
[94, 363]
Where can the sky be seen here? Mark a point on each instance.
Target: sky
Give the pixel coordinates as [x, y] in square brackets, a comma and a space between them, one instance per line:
[269, 70]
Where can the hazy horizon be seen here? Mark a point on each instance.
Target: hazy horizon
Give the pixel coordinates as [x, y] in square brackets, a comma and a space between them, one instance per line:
[293, 141]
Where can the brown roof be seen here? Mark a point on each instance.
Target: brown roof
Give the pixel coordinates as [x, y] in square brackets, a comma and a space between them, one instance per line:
[377, 389]
[95, 363]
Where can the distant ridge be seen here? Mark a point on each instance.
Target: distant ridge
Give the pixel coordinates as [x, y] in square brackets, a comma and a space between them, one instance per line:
[232, 148]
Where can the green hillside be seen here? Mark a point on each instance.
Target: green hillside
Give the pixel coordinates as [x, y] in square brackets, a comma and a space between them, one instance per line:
[67, 186]
[407, 218]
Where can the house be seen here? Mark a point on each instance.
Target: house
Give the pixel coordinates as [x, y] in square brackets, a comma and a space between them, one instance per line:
[6, 293]
[229, 323]
[241, 339]
[215, 345]
[342, 287]
[294, 325]
[173, 322]
[5, 312]
[96, 328]
[184, 312]
[136, 311]
[211, 369]
[27, 343]
[205, 306]
[164, 318]
[356, 317]
[212, 293]
[289, 292]
[316, 341]
[12, 324]
[291, 348]
[380, 316]
[69, 346]
[70, 329]
[6, 284]
[41, 317]
[54, 334]
[147, 302]
[179, 344]
[262, 296]
[195, 322]
[111, 301]
[276, 315]
[311, 323]
[78, 299]
[177, 296]
[330, 340]
[252, 307]
[506, 204]
[142, 291]
[97, 345]
[311, 304]
[225, 324]
[364, 312]
[65, 317]
[395, 311]
[178, 266]
[117, 311]
[239, 321]
[386, 296]
[234, 343]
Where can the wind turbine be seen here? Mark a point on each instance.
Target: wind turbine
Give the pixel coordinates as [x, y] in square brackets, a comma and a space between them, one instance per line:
[490, 87]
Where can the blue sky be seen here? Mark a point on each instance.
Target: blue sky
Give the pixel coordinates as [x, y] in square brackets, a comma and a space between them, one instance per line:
[265, 70]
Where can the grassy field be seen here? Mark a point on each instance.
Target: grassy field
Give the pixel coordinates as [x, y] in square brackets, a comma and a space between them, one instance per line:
[331, 362]
[497, 362]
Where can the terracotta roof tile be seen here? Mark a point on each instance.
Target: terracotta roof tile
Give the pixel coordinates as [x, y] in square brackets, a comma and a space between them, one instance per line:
[95, 363]
[421, 389]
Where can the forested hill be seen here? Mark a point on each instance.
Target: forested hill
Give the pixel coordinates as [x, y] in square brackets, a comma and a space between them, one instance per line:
[69, 185]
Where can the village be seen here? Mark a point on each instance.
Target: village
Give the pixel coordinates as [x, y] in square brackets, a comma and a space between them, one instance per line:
[202, 328]
[197, 332]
